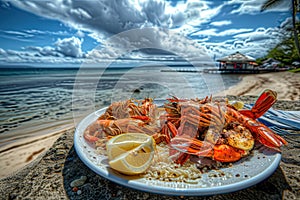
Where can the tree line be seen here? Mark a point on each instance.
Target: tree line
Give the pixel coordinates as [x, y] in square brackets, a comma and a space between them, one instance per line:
[288, 50]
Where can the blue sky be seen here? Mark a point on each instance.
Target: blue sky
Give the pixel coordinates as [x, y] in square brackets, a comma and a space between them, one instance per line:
[60, 32]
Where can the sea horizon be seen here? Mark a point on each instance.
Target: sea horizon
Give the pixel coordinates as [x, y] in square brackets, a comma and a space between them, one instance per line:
[111, 64]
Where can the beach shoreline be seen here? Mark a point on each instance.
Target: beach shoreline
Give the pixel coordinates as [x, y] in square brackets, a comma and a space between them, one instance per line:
[17, 156]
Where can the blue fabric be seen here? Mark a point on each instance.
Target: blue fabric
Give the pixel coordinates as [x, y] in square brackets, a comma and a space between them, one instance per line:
[279, 120]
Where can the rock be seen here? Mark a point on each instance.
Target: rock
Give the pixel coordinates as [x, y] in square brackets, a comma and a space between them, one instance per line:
[78, 182]
[136, 90]
[75, 189]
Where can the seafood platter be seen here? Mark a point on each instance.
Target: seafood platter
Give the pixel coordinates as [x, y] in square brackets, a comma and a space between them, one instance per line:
[181, 146]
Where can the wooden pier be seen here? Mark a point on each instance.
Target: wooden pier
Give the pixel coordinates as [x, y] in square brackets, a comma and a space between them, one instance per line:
[240, 71]
[190, 70]
[232, 71]
[223, 71]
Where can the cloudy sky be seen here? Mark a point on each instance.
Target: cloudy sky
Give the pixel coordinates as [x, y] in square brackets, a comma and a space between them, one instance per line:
[69, 31]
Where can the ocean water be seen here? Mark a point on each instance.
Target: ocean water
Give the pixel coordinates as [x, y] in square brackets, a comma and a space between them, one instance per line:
[38, 101]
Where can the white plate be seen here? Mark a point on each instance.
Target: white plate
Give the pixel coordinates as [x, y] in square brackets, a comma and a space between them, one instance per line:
[242, 174]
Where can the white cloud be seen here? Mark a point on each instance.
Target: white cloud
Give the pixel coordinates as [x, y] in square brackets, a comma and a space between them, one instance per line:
[69, 47]
[49, 51]
[102, 19]
[287, 23]
[259, 35]
[221, 23]
[254, 6]
[64, 50]
[213, 32]
[30, 34]
[39, 32]
[18, 34]
[201, 13]
[234, 31]
[105, 18]
[80, 34]
[254, 43]
[133, 45]
[36, 55]
[151, 43]
[2, 51]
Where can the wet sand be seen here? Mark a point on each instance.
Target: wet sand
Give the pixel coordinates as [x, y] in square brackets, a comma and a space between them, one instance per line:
[16, 156]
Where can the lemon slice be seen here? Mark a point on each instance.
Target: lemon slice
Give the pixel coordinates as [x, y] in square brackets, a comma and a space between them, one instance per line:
[130, 153]
[237, 104]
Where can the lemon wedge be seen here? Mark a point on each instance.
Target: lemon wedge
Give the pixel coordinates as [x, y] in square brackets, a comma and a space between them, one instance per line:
[237, 104]
[130, 153]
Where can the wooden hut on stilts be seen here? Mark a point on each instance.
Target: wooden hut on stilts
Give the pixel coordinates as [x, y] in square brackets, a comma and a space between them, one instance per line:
[237, 62]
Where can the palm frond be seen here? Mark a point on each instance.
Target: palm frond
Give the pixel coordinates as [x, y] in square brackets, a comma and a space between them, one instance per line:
[270, 4]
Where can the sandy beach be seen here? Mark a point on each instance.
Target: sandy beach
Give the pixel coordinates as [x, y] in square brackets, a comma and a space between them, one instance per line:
[286, 84]
[16, 159]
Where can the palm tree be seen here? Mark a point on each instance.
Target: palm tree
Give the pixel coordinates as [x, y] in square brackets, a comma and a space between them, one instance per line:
[268, 4]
